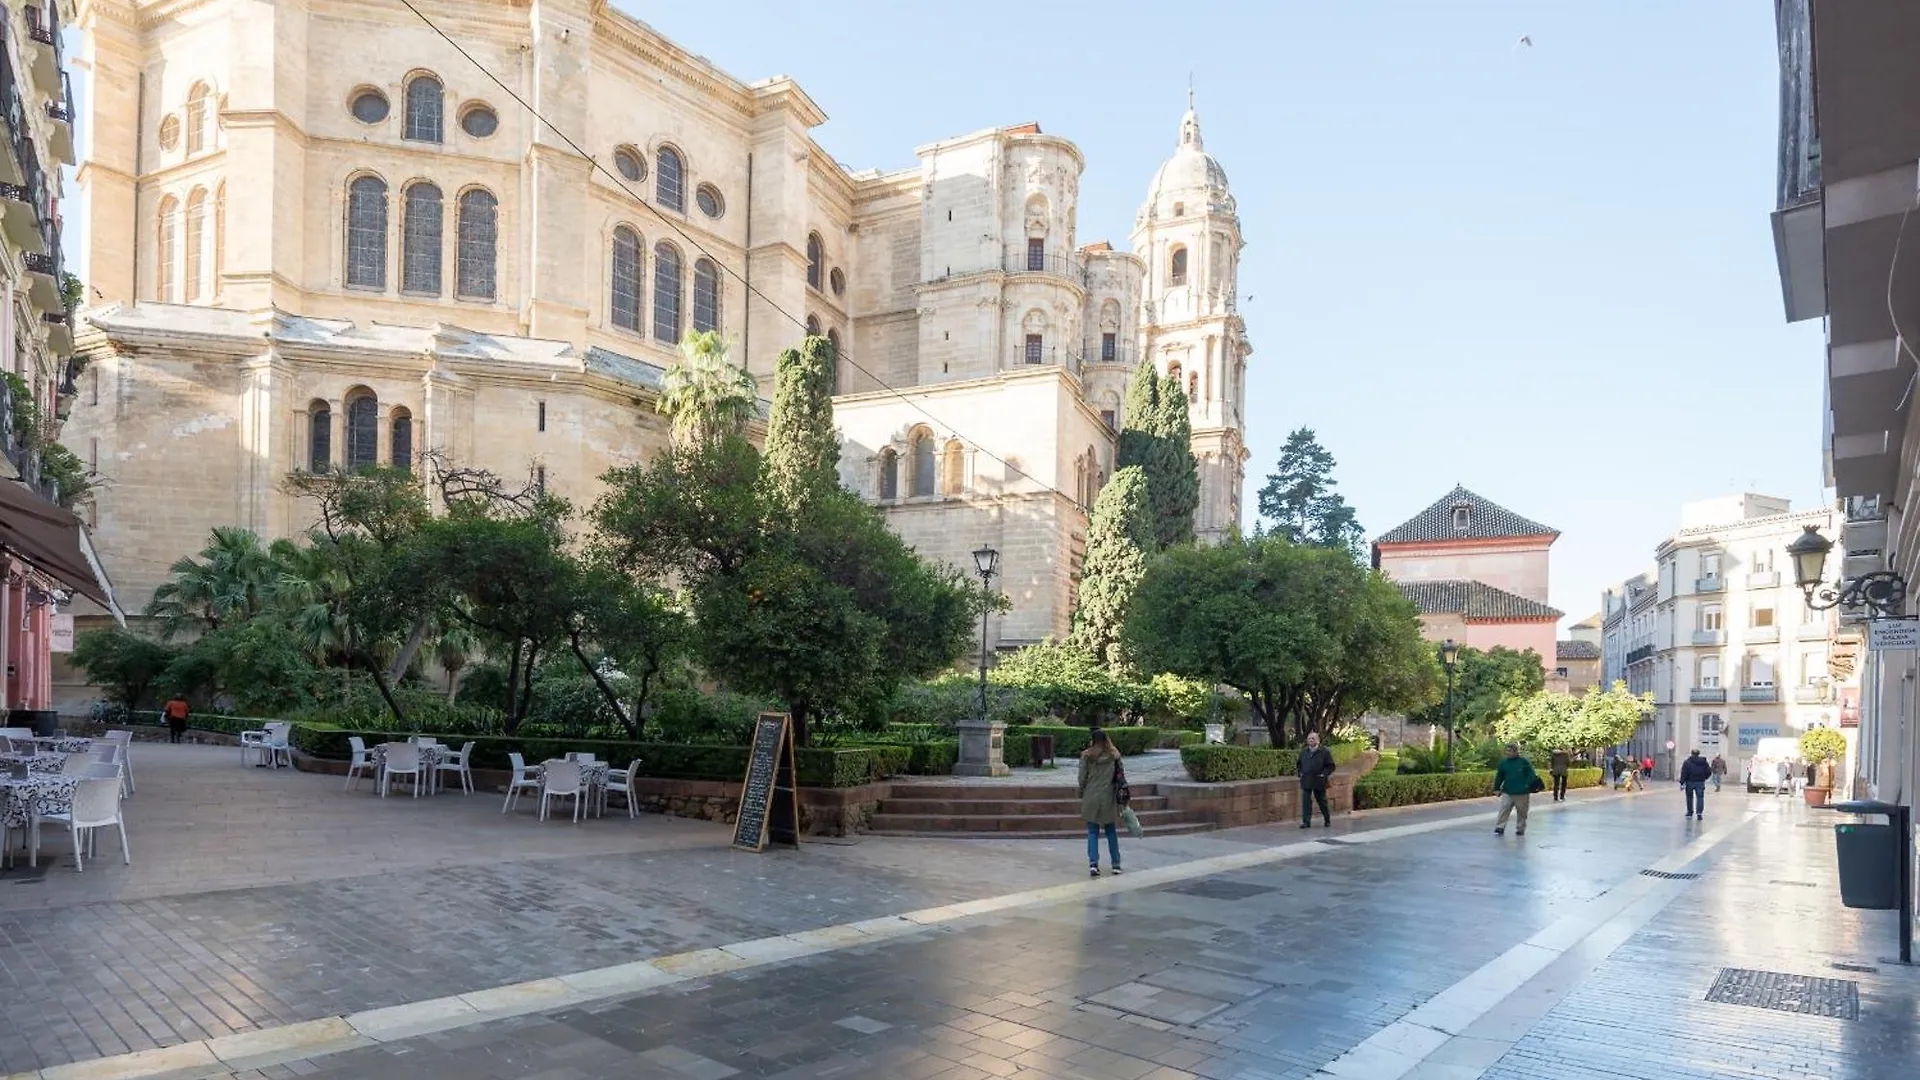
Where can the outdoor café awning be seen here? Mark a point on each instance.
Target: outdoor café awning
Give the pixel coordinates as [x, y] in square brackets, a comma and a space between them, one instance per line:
[54, 542]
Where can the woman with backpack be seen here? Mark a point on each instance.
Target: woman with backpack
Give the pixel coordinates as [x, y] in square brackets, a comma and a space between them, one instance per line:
[1101, 786]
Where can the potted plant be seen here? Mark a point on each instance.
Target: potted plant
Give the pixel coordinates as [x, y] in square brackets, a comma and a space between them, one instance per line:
[1822, 746]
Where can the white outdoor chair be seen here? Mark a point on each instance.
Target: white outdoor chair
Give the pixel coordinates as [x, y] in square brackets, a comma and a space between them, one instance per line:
[96, 805]
[559, 778]
[278, 747]
[621, 782]
[402, 760]
[360, 766]
[110, 754]
[457, 764]
[254, 744]
[524, 779]
[125, 739]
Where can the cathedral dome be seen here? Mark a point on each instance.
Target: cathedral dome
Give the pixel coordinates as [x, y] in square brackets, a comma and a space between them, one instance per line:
[1191, 174]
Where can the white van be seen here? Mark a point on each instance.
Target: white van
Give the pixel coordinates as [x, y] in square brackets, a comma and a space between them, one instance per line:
[1763, 768]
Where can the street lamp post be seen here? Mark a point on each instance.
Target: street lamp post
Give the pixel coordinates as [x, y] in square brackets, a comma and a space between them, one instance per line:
[1883, 592]
[983, 742]
[1449, 652]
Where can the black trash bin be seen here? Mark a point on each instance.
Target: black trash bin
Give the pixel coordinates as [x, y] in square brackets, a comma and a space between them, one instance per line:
[42, 721]
[1869, 865]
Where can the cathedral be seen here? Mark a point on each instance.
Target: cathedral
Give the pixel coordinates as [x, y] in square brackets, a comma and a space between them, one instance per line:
[321, 237]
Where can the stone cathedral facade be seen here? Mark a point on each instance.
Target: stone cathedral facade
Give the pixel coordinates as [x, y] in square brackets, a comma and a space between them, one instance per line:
[320, 237]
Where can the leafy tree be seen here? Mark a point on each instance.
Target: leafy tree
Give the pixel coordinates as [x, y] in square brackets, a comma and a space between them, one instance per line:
[706, 396]
[232, 579]
[1299, 502]
[1065, 679]
[1821, 744]
[1186, 702]
[1550, 721]
[260, 667]
[124, 663]
[453, 650]
[1118, 539]
[1306, 634]
[803, 450]
[638, 632]
[686, 514]
[1486, 684]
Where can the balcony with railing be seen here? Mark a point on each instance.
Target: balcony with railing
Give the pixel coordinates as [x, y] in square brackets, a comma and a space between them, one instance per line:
[1759, 695]
[1812, 695]
[1052, 356]
[46, 55]
[1709, 585]
[60, 111]
[1056, 263]
[1708, 695]
[1121, 352]
[16, 440]
[1763, 579]
[1798, 228]
[1760, 635]
[1709, 637]
[1644, 652]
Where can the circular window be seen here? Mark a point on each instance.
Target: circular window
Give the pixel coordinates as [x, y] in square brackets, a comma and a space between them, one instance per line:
[369, 105]
[630, 164]
[711, 204]
[169, 133]
[837, 281]
[479, 121]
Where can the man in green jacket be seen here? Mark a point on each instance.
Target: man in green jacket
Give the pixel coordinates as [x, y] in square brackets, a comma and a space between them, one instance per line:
[1516, 782]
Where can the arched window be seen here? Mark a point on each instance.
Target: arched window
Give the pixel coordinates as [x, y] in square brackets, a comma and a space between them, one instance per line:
[421, 232]
[953, 466]
[833, 341]
[1177, 272]
[166, 242]
[363, 431]
[219, 235]
[479, 245]
[626, 279]
[426, 110]
[706, 295]
[197, 102]
[319, 437]
[196, 243]
[669, 180]
[922, 464]
[816, 260]
[401, 440]
[889, 474]
[367, 233]
[813, 326]
[666, 293]
[1193, 386]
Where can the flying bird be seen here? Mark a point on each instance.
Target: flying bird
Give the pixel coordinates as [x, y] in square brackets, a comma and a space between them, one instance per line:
[1525, 39]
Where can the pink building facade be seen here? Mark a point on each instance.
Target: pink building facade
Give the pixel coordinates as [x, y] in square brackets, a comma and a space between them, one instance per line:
[26, 636]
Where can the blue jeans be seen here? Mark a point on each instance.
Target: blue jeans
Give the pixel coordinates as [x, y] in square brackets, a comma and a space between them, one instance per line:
[1093, 844]
[1696, 796]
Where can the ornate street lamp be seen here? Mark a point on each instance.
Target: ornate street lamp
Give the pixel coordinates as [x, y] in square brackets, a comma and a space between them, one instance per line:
[1882, 591]
[1449, 652]
[982, 749]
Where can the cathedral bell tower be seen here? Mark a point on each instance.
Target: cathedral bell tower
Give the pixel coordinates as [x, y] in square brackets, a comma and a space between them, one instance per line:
[1188, 234]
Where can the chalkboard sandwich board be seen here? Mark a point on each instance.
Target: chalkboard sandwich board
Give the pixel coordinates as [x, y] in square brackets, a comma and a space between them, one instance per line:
[769, 805]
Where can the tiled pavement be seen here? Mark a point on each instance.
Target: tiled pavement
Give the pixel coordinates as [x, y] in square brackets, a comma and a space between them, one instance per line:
[1268, 972]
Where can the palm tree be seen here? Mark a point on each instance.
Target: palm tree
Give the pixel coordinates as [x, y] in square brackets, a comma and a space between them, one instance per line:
[455, 648]
[706, 396]
[233, 578]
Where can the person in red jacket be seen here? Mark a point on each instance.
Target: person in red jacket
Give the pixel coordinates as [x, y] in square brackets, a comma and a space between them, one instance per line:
[176, 711]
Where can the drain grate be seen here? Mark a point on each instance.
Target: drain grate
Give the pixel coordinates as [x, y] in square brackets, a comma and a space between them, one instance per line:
[1796, 884]
[1668, 875]
[1221, 890]
[1781, 992]
[1864, 969]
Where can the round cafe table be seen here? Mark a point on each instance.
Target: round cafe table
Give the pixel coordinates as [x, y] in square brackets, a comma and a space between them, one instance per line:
[36, 763]
[61, 744]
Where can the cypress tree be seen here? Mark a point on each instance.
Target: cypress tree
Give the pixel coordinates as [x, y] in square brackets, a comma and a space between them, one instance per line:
[1173, 474]
[1140, 418]
[1118, 539]
[803, 449]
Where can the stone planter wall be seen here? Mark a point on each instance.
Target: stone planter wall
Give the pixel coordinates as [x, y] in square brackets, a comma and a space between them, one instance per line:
[1258, 802]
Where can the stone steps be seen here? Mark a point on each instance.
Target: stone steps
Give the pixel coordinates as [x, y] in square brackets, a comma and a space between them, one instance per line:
[1141, 804]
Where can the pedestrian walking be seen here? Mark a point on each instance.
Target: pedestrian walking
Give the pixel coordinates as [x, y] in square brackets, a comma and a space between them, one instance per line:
[1313, 767]
[1557, 766]
[1812, 777]
[1780, 774]
[1646, 768]
[1515, 782]
[1719, 766]
[176, 711]
[1099, 806]
[1693, 783]
[1614, 766]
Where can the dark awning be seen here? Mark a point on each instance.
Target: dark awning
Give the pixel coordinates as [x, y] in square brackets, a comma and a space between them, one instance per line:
[54, 542]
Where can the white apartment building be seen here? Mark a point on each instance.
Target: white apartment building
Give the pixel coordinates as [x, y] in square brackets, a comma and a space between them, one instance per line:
[1718, 634]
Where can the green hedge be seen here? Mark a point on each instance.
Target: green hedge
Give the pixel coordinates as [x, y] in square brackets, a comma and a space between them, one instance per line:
[1213, 764]
[1372, 792]
[1582, 778]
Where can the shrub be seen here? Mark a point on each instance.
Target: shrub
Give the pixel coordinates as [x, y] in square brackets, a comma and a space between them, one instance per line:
[1578, 778]
[1178, 701]
[689, 716]
[123, 663]
[1373, 791]
[1217, 764]
[945, 702]
[1064, 680]
[1174, 740]
[1823, 744]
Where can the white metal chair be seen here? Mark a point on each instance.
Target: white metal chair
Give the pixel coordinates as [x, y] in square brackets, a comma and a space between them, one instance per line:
[621, 782]
[561, 778]
[402, 759]
[360, 766]
[524, 779]
[96, 805]
[457, 764]
[125, 739]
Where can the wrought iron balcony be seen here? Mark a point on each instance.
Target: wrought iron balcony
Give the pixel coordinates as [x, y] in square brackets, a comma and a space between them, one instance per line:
[1122, 352]
[1759, 695]
[1708, 585]
[1644, 652]
[46, 58]
[1060, 264]
[1709, 637]
[1708, 695]
[1799, 174]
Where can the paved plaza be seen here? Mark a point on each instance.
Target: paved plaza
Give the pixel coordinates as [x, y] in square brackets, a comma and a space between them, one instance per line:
[274, 925]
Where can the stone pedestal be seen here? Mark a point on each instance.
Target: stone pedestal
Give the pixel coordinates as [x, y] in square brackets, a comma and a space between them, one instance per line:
[982, 750]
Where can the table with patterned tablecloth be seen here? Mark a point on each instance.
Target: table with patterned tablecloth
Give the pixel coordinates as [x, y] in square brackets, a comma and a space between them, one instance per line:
[35, 763]
[593, 777]
[60, 744]
[430, 759]
[37, 796]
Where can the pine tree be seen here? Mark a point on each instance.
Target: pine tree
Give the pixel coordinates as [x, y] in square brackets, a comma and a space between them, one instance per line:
[1173, 476]
[1140, 418]
[1300, 501]
[803, 449]
[1118, 540]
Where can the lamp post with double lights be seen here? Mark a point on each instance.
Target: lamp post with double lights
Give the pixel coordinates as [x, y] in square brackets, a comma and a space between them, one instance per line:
[1449, 652]
[983, 742]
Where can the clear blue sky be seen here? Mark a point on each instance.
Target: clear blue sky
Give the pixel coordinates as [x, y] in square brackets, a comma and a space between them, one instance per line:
[1544, 273]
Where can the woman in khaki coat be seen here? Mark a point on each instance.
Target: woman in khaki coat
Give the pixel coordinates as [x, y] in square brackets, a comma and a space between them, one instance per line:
[1098, 807]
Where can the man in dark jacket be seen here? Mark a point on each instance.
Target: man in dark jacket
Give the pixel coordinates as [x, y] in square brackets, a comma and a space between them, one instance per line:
[1693, 780]
[1313, 768]
[1515, 782]
[1557, 765]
